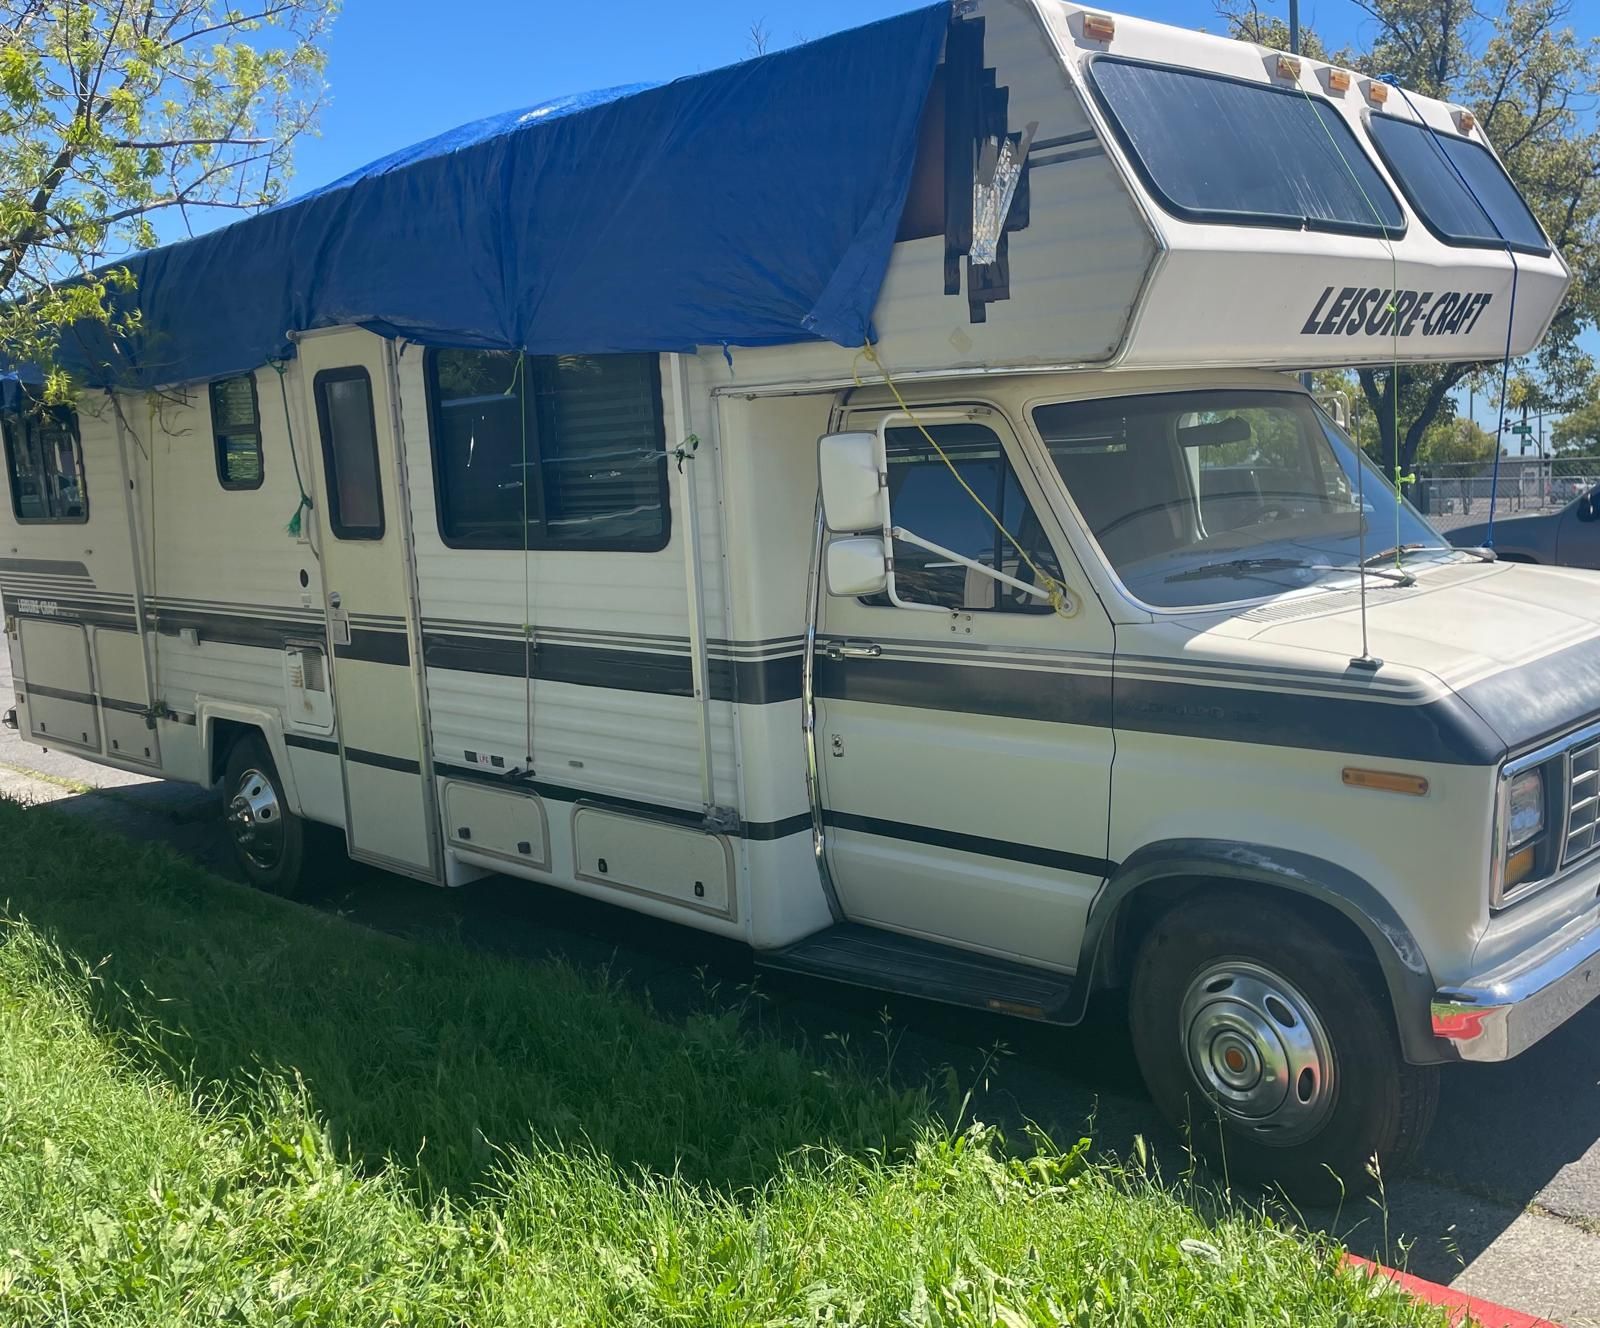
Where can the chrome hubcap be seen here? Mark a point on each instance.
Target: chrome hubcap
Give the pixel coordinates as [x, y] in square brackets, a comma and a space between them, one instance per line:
[1258, 1049]
[255, 820]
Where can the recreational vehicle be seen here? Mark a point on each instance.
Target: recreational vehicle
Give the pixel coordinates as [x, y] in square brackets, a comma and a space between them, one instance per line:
[475, 505]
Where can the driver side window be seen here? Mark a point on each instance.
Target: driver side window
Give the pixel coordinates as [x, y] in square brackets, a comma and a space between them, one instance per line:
[928, 500]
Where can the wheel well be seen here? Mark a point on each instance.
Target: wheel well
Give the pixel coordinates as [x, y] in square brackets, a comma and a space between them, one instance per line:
[224, 734]
[1141, 910]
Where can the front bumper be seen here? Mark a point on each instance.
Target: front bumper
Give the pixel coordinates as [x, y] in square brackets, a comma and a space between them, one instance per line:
[1503, 1012]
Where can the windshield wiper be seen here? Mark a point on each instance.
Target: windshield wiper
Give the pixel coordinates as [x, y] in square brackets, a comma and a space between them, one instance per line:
[1239, 567]
[1398, 575]
[1390, 553]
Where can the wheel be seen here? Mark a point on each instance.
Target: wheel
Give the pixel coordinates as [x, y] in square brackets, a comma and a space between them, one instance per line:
[268, 839]
[1274, 1048]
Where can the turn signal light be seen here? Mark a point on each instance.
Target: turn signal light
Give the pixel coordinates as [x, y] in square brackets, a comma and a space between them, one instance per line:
[1386, 781]
[1288, 67]
[1465, 120]
[1519, 866]
[1099, 27]
[1377, 93]
[1338, 80]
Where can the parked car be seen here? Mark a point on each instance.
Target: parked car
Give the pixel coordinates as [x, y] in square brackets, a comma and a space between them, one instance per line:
[1570, 537]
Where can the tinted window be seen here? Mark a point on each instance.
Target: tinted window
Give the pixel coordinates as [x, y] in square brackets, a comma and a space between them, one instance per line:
[44, 466]
[927, 500]
[236, 429]
[350, 453]
[1222, 149]
[1456, 186]
[573, 445]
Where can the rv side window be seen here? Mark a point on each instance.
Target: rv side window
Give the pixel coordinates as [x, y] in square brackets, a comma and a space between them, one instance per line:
[548, 452]
[44, 466]
[927, 500]
[1219, 149]
[1456, 186]
[236, 429]
[350, 453]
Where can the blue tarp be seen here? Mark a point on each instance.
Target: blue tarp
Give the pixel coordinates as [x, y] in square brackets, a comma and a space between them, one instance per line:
[753, 205]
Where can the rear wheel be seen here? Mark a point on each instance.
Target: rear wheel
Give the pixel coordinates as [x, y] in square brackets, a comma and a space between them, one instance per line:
[1275, 1048]
[268, 839]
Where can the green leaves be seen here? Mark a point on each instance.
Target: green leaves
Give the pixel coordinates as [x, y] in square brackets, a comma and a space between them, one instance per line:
[119, 113]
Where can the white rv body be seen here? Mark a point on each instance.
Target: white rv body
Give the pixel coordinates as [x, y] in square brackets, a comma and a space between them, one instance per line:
[701, 732]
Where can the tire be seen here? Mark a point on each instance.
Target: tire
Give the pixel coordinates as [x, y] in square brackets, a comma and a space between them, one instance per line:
[268, 839]
[1275, 1049]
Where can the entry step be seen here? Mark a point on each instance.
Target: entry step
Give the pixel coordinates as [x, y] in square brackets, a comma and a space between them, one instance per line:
[873, 957]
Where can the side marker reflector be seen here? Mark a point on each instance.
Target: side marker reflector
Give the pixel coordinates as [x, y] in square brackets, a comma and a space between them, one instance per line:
[1386, 781]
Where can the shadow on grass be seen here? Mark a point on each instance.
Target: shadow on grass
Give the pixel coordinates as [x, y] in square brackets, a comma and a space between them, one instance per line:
[428, 1054]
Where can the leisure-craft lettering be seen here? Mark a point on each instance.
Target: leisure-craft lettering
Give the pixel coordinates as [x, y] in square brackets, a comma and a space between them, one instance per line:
[1379, 312]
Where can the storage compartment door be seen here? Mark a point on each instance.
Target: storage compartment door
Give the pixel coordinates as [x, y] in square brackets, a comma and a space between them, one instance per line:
[60, 683]
[120, 668]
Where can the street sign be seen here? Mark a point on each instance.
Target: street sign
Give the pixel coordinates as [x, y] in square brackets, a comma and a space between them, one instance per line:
[1523, 428]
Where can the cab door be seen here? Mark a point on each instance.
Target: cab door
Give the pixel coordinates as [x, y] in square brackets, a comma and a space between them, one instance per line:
[373, 630]
[964, 747]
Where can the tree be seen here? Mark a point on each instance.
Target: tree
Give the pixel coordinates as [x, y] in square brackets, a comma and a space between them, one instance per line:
[1577, 433]
[115, 114]
[1455, 442]
[1531, 82]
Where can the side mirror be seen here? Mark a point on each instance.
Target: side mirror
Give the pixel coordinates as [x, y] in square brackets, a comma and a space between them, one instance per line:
[853, 470]
[857, 565]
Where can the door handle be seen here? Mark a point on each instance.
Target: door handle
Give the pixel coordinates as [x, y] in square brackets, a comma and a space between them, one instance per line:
[852, 650]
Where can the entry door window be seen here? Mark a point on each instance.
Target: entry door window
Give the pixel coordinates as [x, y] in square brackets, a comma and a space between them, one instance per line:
[927, 499]
[350, 453]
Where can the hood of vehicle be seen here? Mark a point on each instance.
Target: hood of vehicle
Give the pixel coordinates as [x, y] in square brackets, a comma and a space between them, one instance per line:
[1520, 645]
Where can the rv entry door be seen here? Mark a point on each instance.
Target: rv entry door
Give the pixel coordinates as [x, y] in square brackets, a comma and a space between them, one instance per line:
[964, 745]
[373, 632]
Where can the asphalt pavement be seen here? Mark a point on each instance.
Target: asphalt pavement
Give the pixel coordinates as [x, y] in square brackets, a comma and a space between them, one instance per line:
[1506, 1205]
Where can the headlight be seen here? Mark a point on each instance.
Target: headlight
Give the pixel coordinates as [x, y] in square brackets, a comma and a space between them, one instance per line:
[1524, 808]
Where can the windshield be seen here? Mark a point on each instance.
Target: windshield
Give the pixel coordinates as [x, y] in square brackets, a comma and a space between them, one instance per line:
[1200, 498]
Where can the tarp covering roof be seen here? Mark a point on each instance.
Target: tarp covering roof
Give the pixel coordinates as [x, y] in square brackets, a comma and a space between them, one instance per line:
[752, 205]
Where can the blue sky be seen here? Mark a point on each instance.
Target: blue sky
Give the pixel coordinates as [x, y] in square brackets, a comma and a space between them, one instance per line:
[402, 70]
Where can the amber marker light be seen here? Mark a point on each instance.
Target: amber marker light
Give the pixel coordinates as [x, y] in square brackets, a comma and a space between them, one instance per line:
[1465, 120]
[1386, 781]
[1288, 67]
[1099, 27]
[1377, 93]
[1338, 80]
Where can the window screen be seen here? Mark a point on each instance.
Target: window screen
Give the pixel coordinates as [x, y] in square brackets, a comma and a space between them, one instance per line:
[1426, 163]
[574, 444]
[926, 500]
[1222, 149]
[44, 466]
[236, 428]
[350, 453]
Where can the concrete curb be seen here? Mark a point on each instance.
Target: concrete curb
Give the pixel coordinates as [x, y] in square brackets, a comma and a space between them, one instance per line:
[1460, 1306]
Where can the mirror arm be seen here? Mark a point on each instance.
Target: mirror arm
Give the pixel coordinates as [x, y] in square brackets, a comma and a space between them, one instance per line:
[901, 533]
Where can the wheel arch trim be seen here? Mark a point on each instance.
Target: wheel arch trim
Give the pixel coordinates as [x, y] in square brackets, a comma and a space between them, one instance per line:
[1407, 978]
[265, 722]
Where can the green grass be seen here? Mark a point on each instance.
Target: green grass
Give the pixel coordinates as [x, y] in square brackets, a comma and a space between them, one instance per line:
[216, 1107]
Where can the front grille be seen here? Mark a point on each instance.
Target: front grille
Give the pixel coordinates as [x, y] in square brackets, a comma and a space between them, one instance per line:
[1583, 803]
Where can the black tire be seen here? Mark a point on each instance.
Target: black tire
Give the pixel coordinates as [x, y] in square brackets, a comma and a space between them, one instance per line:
[1354, 1100]
[268, 840]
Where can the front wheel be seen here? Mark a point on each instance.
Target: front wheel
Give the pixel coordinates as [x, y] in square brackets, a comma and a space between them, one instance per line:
[1274, 1049]
[268, 839]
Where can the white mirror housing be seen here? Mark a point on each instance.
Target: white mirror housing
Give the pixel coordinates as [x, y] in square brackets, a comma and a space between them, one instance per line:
[857, 565]
[852, 469]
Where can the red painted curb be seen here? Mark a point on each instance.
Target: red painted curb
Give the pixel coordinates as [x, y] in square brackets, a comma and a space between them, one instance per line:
[1458, 1303]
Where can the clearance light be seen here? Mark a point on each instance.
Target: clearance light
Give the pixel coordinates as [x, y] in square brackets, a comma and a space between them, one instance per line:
[1377, 93]
[1288, 67]
[1099, 27]
[1465, 120]
[1338, 80]
[1386, 781]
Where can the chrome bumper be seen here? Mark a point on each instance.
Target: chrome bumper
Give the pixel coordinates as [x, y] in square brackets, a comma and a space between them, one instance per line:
[1503, 1012]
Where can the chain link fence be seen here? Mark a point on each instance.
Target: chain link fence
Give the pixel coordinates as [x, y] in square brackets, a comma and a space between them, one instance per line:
[1458, 494]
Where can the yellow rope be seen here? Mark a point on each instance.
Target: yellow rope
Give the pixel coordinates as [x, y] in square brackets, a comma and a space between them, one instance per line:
[1052, 587]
